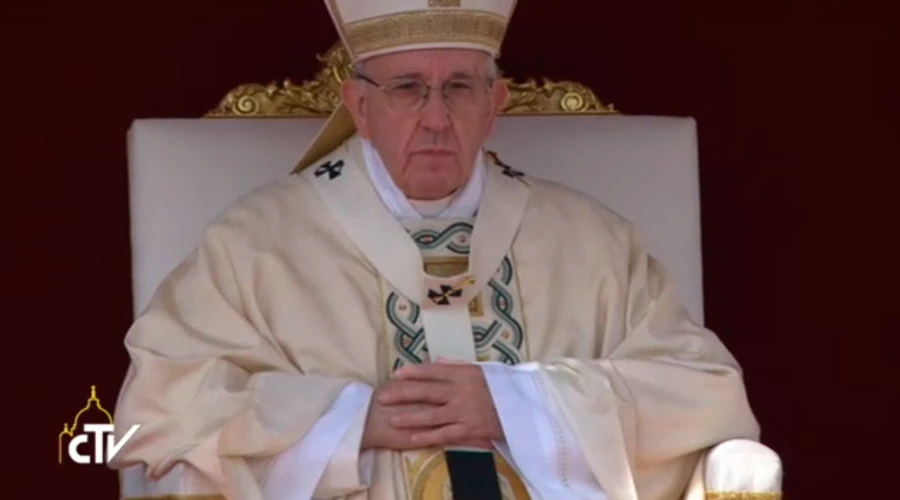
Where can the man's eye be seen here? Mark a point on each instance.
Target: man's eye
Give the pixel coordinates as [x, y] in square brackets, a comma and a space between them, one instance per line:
[459, 85]
[407, 87]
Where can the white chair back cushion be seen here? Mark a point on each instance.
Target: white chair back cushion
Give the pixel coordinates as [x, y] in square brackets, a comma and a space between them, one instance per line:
[182, 172]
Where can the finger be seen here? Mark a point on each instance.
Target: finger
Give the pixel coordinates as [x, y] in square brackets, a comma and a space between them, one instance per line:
[434, 416]
[441, 436]
[414, 391]
[423, 371]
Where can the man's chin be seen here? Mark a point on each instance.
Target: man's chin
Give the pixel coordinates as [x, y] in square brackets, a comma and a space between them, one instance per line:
[431, 185]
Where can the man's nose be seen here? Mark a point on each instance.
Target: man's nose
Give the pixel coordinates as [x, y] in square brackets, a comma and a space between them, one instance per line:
[435, 113]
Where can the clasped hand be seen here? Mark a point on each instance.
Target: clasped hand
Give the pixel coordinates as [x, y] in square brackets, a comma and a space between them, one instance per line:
[433, 404]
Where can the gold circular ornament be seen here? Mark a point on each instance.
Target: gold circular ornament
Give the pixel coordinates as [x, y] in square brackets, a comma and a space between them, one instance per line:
[433, 480]
[571, 102]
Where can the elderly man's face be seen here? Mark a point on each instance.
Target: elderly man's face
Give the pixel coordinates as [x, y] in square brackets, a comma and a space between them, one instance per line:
[429, 144]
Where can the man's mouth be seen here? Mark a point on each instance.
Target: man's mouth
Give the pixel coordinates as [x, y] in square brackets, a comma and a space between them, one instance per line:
[433, 152]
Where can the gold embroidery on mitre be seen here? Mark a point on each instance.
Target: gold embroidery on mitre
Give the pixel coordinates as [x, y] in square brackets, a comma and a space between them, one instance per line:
[436, 26]
[444, 3]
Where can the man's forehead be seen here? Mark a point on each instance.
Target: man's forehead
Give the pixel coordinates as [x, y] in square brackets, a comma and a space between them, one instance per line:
[441, 63]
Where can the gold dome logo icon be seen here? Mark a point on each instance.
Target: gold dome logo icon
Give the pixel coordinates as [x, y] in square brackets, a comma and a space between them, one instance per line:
[81, 436]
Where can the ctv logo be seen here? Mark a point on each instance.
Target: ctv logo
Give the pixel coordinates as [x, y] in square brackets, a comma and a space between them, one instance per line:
[78, 447]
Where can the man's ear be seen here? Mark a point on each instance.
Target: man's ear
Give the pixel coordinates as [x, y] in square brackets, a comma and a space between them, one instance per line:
[355, 101]
[501, 95]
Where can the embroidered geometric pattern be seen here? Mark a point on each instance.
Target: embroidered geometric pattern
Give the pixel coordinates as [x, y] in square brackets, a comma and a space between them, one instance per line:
[497, 331]
[456, 237]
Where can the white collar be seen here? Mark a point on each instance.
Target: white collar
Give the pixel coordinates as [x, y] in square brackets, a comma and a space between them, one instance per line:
[464, 205]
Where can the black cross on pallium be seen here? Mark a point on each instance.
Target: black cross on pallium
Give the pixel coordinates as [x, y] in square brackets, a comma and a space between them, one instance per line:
[511, 172]
[441, 298]
[332, 169]
[507, 170]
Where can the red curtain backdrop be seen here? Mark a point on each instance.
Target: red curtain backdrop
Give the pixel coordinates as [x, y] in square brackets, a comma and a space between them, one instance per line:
[797, 118]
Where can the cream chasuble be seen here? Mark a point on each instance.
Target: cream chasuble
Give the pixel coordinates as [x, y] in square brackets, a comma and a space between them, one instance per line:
[307, 293]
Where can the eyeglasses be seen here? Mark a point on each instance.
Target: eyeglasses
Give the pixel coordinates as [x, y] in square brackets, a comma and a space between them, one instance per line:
[409, 94]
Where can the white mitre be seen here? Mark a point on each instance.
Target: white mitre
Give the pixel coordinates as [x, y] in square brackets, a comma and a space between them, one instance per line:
[370, 28]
